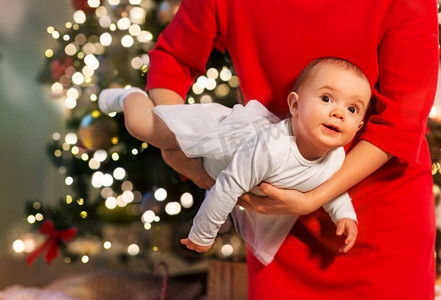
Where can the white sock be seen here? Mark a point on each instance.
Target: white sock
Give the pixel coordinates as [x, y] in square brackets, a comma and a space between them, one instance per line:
[111, 100]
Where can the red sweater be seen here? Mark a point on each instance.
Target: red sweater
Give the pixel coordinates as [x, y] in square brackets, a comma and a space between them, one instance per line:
[395, 42]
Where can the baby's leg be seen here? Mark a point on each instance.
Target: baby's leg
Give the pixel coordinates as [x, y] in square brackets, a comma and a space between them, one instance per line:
[143, 124]
[140, 120]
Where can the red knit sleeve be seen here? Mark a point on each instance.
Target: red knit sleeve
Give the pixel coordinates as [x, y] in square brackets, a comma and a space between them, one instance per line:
[409, 62]
[183, 48]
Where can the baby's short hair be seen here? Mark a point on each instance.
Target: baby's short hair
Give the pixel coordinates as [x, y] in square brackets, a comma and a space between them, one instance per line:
[336, 61]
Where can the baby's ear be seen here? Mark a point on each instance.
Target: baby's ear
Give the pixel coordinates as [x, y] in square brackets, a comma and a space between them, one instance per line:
[293, 103]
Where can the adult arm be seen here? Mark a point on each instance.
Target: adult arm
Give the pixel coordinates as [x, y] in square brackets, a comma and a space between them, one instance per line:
[408, 55]
[178, 57]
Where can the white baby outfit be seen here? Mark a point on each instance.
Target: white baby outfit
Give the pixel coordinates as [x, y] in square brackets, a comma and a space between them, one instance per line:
[240, 148]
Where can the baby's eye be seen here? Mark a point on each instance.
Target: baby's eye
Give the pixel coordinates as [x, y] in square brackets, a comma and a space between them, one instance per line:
[325, 99]
[352, 109]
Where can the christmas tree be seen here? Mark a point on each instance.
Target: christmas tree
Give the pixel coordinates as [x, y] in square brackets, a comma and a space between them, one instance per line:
[124, 201]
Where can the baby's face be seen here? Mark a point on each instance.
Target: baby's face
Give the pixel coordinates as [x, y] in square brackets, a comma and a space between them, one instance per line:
[331, 107]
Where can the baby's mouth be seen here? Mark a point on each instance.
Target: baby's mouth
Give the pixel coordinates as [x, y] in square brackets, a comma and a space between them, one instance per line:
[333, 128]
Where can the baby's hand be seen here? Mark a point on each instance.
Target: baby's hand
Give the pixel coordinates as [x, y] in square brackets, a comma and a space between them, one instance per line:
[350, 229]
[192, 246]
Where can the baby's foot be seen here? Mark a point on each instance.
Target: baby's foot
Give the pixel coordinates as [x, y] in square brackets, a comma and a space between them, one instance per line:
[111, 100]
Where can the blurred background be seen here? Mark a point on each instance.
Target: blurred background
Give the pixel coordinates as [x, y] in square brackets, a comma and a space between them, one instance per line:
[72, 175]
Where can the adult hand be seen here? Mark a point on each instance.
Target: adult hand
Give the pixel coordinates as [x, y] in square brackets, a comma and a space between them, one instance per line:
[279, 201]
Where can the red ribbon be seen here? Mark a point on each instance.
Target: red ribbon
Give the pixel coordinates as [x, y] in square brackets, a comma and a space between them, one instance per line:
[51, 243]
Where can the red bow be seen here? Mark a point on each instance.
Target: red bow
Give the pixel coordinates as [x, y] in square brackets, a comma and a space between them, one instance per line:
[51, 243]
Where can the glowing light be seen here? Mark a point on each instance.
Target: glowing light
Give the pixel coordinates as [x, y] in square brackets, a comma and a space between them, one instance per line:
[202, 81]
[106, 39]
[160, 194]
[78, 78]
[127, 41]
[49, 53]
[50, 29]
[73, 93]
[91, 61]
[39, 217]
[69, 199]
[57, 153]
[94, 164]
[136, 63]
[147, 226]
[186, 200]
[197, 89]
[97, 179]
[36, 205]
[101, 11]
[111, 203]
[57, 88]
[135, 2]
[128, 196]
[71, 138]
[100, 155]
[114, 2]
[107, 180]
[222, 90]
[206, 99]
[133, 249]
[84, 156]
[18, 246]
[31, 219]
[68, 180]
[115, 156]
[79, 17]
[83, 214]
[145, 36]
[148, 216]
[66, 37]
[173, 208]
[134, 30]
[84, 259]
[225, 74]
[123, 24]
[144, 145]
[70, 103]
[93, 3]
[227, 250]
[212, 73]
[211, 84]
[105, 22]
[56, 136]
[234, 82]
[137, 15]
[135, 151]
[127, 186]
[56, 35]
[119, 173]
[107, 245]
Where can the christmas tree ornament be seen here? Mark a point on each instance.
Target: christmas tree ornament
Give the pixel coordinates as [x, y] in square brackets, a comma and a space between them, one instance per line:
[54, 237]
[97, 131]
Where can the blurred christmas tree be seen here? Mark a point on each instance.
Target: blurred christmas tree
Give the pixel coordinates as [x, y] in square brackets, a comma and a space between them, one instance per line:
[124, 199]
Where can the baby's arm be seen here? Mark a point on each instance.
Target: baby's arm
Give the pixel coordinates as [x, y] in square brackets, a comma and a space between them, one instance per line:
[343, 215]
[241, 175]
